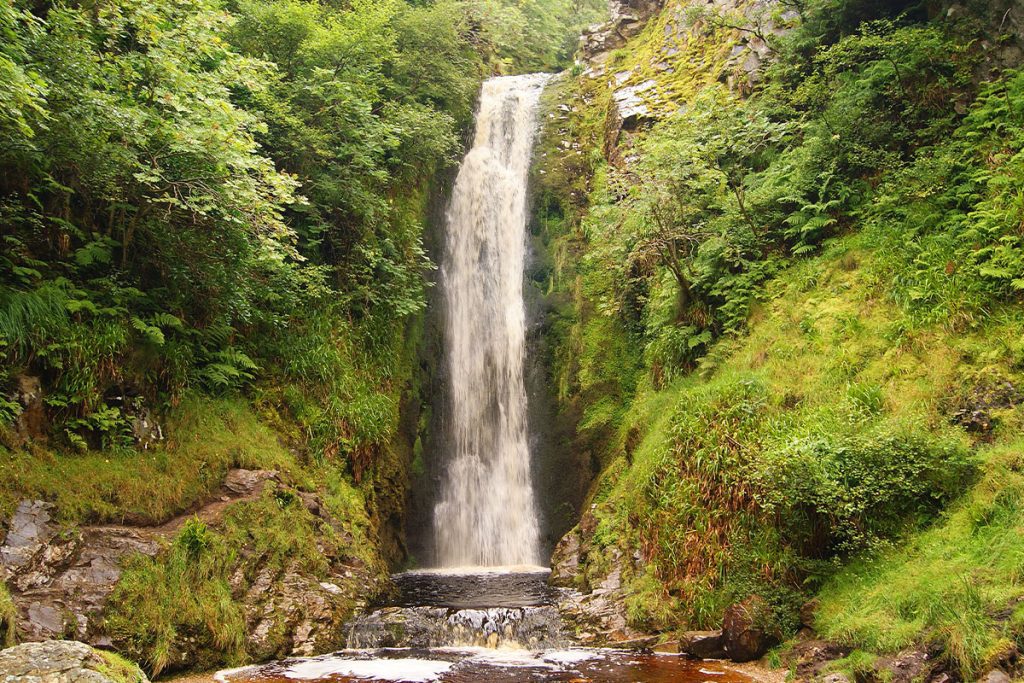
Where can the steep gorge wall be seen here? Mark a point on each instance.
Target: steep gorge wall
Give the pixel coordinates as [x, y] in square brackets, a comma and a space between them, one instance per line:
[673, 531]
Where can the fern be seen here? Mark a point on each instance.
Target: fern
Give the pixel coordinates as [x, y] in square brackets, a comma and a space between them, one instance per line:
[29, 318]
[229, 369]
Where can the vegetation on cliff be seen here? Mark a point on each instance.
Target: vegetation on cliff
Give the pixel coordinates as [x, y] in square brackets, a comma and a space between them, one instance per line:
[784, 295]
[785, 305]
[213, 257]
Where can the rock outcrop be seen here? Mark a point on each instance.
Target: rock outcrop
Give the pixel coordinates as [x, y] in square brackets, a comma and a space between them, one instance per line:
[535, 628]
[61, 578]
[65, 661]
[626, 18]
[595, 610]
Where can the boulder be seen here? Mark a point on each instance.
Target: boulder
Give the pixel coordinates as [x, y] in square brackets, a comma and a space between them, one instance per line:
[247, 482]
[703, 644]
[748, 629]
[995, 676]
[65, 661]
[808, 610]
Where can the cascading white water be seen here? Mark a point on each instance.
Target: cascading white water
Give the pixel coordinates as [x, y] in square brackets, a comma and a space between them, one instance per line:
[486, 514]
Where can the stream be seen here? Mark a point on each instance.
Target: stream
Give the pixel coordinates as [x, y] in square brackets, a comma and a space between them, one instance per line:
[476, 665]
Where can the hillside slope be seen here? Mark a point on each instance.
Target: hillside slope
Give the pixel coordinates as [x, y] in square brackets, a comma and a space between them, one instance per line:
[783, 277]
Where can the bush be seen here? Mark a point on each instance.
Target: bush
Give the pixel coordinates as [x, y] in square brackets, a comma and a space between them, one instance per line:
[855, 489]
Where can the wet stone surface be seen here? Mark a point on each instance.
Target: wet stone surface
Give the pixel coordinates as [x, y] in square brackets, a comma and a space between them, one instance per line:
[513, 588]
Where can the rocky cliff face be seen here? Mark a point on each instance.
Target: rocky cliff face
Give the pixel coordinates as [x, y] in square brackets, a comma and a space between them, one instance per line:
[641, 67]
[626, 18]
[672, 47]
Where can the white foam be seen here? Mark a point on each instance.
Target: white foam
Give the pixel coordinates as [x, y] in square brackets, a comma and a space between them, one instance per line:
[225, 675]
[571, 656]
[480, 571]
[404, 670]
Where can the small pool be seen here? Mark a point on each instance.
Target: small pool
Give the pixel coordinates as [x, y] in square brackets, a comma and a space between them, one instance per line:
[477, 665]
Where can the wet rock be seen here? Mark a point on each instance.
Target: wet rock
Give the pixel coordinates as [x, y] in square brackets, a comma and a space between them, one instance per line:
[995, 676]
[65, 584]
[535, 628]
[247, 482]
[748, 629]
[598, 617]
[63, 661]
[835, 677]
[669, 647]
[703, 644]
[810, 659]
[30, 530]
[565, 562]
[293, 615]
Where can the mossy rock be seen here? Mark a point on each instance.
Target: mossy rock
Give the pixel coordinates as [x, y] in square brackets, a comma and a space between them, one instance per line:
[66, 660]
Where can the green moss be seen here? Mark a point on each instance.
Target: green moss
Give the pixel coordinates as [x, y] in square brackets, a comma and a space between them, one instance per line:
[119, 669]
[682, 49]
[8, 618]
[205, 438]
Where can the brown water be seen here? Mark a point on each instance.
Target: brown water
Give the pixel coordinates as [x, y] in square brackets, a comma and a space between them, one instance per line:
[452, 665]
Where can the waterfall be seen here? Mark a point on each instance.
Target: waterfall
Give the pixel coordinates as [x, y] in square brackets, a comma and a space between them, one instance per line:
[485, 515]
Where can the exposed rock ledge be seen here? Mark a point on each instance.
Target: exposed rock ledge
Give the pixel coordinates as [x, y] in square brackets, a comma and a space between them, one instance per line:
[61, 579]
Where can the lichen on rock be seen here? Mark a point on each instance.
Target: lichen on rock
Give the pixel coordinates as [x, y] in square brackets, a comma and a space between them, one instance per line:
[65, 661]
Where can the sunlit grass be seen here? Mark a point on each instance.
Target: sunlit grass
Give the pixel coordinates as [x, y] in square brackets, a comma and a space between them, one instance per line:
[957, 582]
[207, 437]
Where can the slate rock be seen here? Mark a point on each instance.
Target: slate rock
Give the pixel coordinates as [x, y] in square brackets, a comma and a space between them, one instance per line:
[703, 644]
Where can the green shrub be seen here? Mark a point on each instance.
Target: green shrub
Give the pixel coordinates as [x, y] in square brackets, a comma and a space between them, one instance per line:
[194, 539]
[855, 489]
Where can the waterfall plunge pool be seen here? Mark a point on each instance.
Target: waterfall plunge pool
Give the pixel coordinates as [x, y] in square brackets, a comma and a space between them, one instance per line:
[451, 631]
[478, 665]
